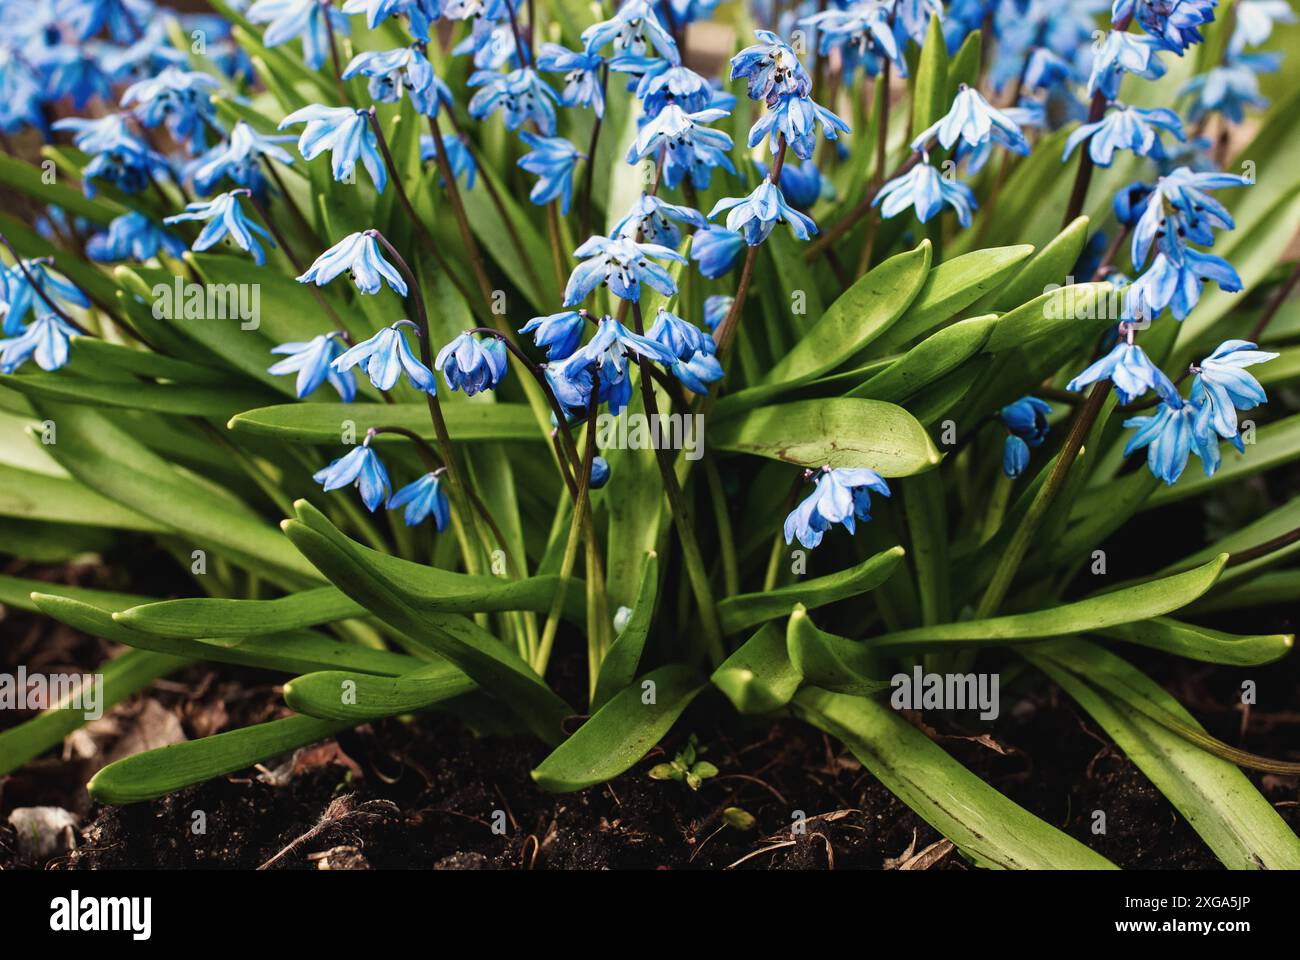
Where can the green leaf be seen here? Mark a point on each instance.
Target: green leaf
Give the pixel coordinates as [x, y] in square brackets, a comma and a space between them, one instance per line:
[930, 98]
[621, 663]
[121, 677]
[989, 830]
[759, 677]
[621, 732]
[214, 617]
[860, 314]
[174, 399]
[17, 592]
[1202, 643]
[39, 496]
[497, 669]
[357, 697]
[830, 661]
[1050, 265]
[1154, 598]
[950, 288]
[934, 357]
[749, 609]
[840, 433]
[965, 65]
[29, 180]
[323, 422]
[1216, 798]
[156, 773]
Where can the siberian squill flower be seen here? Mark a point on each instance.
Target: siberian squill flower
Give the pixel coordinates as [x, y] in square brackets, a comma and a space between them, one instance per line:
[1224, 386]
[1255, 20]
[360, 256]
[472, 364]
[1176, 430]
[18, 294]
[716, 250]
[552, 160]
[387, 356]
[73, 71]
[701, 369]
[123, 18]
[559, 334]
[311, 361]
[393, 72]
[652, 220]
[633, 29]
[973, 120]
[716, 308]
[1026, 423]
[1120, 54]
[1172, 22]
[179, 97]
[459, 158]
[842, 495]
[118, 157]
[1179, 209]
[346, 133]
[582, 85]
[1125, 128]
[755, 217]
[862, 33]
[663, 82]
[239, 160]
[132, 236]
[623, 265]
[689, 146]
[226, 220]
[360, 466]
[1228, 89]
[771, 68]
[490, 45]
[802, 184]
[675, 335]
[796, 118]
[926, 191]
[1176, 283]
[423, 498]
[599, 473]
[1130, 369]
[46, 339]
[520, 95]
[305, 19]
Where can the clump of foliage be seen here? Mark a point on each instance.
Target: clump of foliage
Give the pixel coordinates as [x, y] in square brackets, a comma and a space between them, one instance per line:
[931, 274]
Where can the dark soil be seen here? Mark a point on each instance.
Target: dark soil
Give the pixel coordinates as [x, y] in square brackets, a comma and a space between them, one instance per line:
[427, 794]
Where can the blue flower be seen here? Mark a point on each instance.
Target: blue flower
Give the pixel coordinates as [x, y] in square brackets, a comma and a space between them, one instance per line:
[459, 158]
[1120, 54]
[1176, 284]
[1255, 20]
[559, 334]
[716, 309]
[652, 220]
[796, 119]
[1228, 90]
[377, 11]
[633, 29]
[119, 157]
[689, 145]
[46, 339]
[599, 473]
[311, 361]
[180, 98]
[360, 466]
[913, 17]
[360, 256]
[239, 160]
[404, 69]
[292, 19]
[1222, 384]
[863, 35]
[701, 369]
[771, 68]
[582, 83]
[551, 160]
[472, 364]
[132, 236]
[973, 120]
[623, 265]
[346, 133]
[842, 495]
[754, 217]
[122, 18]
[923, 189]
[18, 295]
[1171, 435]
[663, 82]
[613, 343]
[1130, 369]
[1173, 22]
[225, 219]
[1125, 128]
[1130, 201]
[520, 95]
[73, 72]
[675, 335]
[802, 184]
[421, 498]
[1179, 208]
[1026, 421]
[387, 356]
[716, 250]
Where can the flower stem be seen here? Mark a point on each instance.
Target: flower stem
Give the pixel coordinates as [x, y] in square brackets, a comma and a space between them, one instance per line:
[1275, 304]
[326, 9]
[588, 176]
[40, 291]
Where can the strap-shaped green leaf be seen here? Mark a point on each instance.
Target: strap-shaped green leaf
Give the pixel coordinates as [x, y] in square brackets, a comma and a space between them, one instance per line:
[174, 399]
[749, 609]
[934, 357]
[1202, 643]
[1052, 264]
[840, 432]
[358, 697]
[323, 422]
[165, 770]
[1216, 798]
[759, 677]
[621, 663]
[621, 732]
[1154, 598]
[213, 617]
[989, 830]
[832, 662]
